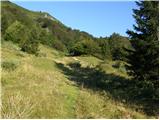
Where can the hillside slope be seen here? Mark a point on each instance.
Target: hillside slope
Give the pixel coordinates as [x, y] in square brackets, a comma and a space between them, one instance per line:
[55, 86]
[42, 21]
[53, 33]
[62, 78]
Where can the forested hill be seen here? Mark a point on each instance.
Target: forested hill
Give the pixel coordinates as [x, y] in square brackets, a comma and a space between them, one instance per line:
[17, 21]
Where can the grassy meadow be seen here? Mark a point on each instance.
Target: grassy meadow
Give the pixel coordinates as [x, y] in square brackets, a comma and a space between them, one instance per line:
[52, 85]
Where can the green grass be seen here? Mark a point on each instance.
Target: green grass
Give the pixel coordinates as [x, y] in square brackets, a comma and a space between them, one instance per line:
[89, 61]
[93, 105]
[43, 63]
[38, 88]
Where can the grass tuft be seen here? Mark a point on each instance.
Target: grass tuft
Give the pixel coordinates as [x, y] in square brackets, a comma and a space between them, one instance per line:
[9, 65]
[17, 106]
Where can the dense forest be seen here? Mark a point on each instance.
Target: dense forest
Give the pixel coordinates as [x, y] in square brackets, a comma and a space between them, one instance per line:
[137, 55]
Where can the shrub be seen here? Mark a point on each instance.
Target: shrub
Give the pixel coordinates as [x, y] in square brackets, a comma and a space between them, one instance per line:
[31, 45]
[27, 39]
[59, 45]
[78, 49]
[9, 65]
[105, 52]
[87, 46]
[15, 32]
[117, 45]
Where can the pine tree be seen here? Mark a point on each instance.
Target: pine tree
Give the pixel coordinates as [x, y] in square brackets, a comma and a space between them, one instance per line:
[144, 59]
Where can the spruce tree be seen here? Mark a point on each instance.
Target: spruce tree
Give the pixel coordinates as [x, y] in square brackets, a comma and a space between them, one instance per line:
[144, 59]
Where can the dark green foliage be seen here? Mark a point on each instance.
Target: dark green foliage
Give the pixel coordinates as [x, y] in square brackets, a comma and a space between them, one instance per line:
[78, 49]
[105, 51]
[117, 44]
[91, 47]
[87, 46]
[144, 59]
[4, 24]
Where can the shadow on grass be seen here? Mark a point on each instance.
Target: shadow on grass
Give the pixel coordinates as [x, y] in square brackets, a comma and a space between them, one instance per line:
[120, 88]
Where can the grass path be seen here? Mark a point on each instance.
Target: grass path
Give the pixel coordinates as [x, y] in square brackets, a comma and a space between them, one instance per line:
[71, 100]
[71, 92]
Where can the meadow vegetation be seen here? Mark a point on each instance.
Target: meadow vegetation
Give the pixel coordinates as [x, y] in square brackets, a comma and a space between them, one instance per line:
[56, 86]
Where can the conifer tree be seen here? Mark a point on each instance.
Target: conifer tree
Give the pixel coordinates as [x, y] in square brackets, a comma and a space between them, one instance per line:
[144, 59]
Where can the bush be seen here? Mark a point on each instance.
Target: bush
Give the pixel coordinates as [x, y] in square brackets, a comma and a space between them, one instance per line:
[91, 47]
[31, 45]
[87, 46]
[117, 45]
[15, 32]
[27, 39]
[59, 45]
[105, 52]
[78, 49]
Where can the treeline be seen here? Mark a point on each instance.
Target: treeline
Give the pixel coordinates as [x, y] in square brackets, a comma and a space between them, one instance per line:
[28, 29]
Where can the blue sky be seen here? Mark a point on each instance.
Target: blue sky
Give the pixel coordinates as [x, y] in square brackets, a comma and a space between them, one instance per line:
[97, 18]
